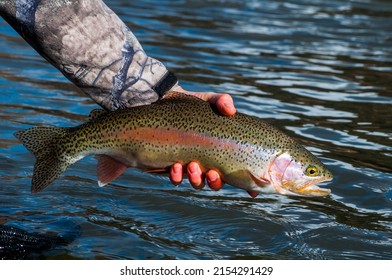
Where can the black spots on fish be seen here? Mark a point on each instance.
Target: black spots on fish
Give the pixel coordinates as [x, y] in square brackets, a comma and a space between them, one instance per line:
[96, 113]
[47, 145]
[40, 138]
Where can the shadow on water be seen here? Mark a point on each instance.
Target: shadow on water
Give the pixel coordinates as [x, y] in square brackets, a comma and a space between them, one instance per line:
[16, 244]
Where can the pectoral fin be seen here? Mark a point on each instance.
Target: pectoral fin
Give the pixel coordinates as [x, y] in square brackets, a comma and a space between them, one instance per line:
[108, 169]
[259, 181]
[253, 194]
[244, 176]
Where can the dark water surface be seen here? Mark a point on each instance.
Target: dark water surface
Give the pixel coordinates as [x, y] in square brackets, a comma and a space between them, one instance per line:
[319, 70]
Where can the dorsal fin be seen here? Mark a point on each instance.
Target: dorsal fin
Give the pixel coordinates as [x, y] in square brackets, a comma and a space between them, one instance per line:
[96, 113]
[179, 96]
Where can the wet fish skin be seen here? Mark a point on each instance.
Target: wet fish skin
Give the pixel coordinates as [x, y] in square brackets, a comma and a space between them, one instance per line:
[248, 152]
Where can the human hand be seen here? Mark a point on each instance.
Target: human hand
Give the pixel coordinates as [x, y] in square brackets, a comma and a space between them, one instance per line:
[223, 101]
[197, 178]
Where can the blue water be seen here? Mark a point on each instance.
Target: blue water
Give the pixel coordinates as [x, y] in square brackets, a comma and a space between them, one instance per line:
[319, 70]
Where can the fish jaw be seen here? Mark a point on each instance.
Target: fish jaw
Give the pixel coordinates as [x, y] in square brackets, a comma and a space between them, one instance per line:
[287, 177]
[309, 189]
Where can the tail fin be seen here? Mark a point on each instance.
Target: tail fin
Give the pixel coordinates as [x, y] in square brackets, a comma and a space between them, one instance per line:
[45, 144]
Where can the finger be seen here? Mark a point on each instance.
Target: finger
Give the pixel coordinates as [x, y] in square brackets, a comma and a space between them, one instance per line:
[195, 175]
[176, 174]
[224, 103]
[213, 180]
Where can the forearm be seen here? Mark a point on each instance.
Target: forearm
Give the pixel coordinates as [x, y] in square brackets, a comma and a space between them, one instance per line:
[92, 47]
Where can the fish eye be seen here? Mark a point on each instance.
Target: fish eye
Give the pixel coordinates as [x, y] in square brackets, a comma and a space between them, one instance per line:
[311, 170]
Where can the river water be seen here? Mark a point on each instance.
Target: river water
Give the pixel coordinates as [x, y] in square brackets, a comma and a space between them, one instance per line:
[319, 70]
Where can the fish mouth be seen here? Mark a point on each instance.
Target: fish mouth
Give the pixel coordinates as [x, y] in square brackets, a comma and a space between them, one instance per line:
[311, 189]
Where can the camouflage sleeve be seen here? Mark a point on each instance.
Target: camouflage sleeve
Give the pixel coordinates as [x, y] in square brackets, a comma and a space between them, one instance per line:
[92, 47]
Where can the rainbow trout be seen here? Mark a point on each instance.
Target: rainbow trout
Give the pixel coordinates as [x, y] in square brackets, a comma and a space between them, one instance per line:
[246, 151]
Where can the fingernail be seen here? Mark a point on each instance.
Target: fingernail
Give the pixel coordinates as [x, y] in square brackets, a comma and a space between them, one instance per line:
[212, 177]
[228, 105]
[177, 168]
[193, 169]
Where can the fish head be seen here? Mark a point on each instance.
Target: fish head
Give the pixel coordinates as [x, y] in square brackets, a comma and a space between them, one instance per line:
[297, 173]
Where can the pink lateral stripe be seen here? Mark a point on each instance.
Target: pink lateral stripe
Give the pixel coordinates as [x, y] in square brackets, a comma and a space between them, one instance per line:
[171, 136]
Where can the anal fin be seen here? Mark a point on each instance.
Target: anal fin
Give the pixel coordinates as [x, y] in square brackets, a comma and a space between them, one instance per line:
[108, 169]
